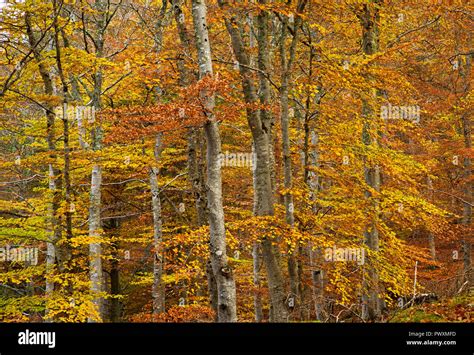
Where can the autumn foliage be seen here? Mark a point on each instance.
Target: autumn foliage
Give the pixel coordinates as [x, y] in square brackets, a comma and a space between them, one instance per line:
[135, 63]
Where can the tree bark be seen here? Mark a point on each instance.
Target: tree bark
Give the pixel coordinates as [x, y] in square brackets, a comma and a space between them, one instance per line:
[66, 149]
[263, 199]
[263, 63]
[256, 255]
[212, 290]
[227, 310]
[158, 288]
[195, 141]
[95, 248]
[257, 298]
[467, 188]
[371, 309]
[55, 184]
[287, 67]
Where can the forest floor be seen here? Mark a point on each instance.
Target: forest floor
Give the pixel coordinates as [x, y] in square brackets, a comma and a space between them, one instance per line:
[456, 309]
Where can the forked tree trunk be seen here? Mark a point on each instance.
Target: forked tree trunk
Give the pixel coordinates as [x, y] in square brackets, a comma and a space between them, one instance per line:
[263, 204]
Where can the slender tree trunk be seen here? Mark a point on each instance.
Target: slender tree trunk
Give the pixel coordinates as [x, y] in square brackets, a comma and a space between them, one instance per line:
[317, 278]
[227, 311]
[313, 180]
[287, 67]
[467, 208]
[431, 238]
[115, 307]
[195, 137]
[371, 309]
[67, 174]
[95, 248]
[256, 255]
[158, 288]
[115, 290]
[468, 186]
[67, 160]
[55, 184]
[50, 245]
[285, 134]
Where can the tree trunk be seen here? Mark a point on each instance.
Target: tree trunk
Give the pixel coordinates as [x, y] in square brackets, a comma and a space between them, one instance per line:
[256, 257]
[55, 184]
[212, 289]
[467, 189]
[285, 134]
[115, 303]
[50, 245]
[263, 62]
[287, 67]
[227, 311]
[158, 288]
[263, 203]
[467, 207]
[67, 160]
[195, 158]
[95, 248]
[313, 181]
[431, 238]
[67, 175]
[371, 309]
[257, 298]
